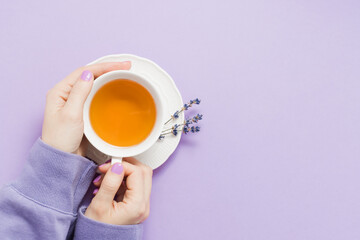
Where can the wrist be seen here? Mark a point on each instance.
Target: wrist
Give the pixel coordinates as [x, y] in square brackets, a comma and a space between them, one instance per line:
[88, 228]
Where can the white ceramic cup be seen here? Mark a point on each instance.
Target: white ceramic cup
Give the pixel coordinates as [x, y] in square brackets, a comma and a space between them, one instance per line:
[116, 152]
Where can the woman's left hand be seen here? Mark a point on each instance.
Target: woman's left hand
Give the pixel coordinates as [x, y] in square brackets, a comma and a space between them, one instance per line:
[63, 126]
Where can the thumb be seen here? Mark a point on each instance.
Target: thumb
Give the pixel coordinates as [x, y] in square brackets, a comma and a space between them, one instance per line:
[79, 92]
[111, 183]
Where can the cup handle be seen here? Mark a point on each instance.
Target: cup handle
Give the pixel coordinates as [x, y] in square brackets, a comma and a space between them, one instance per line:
[116, 160]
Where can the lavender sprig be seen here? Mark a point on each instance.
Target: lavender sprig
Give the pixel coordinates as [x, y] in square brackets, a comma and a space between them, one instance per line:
[185, 107]
[176, 126]
[186, 123]
[185, 130]
[185, 126]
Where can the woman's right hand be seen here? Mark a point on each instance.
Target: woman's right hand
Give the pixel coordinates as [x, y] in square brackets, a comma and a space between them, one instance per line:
[132, 202]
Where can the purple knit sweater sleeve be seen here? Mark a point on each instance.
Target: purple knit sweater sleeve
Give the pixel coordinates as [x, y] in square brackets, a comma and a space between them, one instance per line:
[44, 203]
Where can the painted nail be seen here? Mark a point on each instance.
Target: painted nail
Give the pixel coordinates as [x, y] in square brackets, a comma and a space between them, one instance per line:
[117, 168]
[95, 191]
[86, 75]
[97, 179]
[102, 164]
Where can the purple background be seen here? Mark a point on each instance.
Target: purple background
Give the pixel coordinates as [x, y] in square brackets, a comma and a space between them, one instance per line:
[278, 156]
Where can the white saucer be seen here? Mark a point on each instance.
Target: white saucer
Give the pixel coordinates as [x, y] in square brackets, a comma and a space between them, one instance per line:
[162, 149]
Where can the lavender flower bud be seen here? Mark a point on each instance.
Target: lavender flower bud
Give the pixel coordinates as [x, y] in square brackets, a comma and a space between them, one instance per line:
[176, 115]
[186, 129]
[195, 129]
[175, 132]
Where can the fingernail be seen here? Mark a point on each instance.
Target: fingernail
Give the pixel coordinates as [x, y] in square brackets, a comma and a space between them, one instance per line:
[105, 163]
[97, 179]
[102, 164]
[95, 191]
[86, 75]
[117, 168]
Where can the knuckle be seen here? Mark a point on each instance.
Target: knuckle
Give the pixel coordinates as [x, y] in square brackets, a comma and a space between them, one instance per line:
[66, 89]
[137, 169]
[97, 207]
[146, 170]
[109, 186]
[140, 212]
[99, 211]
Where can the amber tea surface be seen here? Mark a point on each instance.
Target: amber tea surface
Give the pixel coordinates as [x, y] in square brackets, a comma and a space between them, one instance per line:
[122, 113]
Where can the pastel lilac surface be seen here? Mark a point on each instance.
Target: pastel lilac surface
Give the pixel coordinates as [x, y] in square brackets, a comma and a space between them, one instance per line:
[278, 154]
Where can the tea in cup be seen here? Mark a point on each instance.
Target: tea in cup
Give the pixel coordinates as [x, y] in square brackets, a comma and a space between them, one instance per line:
[123, 114]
